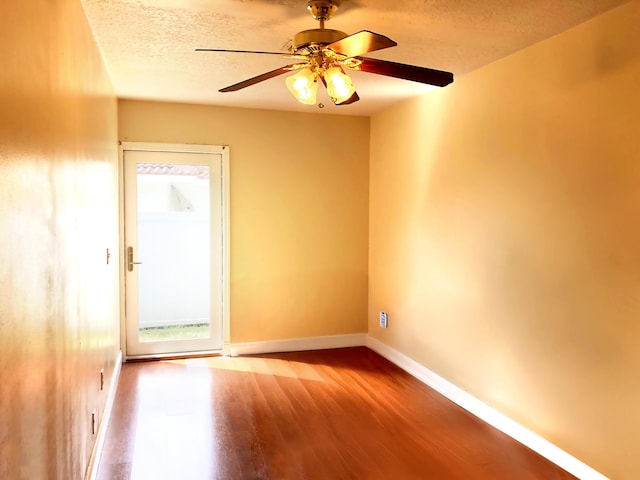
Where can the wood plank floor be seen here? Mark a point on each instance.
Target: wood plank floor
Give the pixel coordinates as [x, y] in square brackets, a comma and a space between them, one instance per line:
[332, 414]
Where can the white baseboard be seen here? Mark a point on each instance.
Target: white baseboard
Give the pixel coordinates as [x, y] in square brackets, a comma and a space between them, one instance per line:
[297, 344]
[96, 452]
[486, 413]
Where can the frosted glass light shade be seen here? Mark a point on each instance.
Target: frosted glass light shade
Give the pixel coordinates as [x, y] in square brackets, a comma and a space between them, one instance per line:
[339, 86]
[303, 86]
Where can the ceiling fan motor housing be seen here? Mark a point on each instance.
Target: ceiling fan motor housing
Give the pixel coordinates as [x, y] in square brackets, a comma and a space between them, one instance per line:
[312, 41]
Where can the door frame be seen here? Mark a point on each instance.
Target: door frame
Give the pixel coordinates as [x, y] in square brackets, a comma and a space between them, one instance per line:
[222, 150]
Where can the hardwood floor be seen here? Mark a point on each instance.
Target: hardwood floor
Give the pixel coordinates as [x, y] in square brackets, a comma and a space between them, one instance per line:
[332, 414]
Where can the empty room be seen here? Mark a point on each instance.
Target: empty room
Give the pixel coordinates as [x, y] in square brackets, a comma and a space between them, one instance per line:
[319, 239]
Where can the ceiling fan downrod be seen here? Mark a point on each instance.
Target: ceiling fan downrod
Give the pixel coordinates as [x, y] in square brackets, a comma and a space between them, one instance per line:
[311, 42]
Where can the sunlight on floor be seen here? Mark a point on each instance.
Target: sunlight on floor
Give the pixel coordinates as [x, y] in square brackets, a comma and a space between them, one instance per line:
[279, 368]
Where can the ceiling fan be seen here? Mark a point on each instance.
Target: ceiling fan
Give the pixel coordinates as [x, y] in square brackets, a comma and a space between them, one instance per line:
[325, 54]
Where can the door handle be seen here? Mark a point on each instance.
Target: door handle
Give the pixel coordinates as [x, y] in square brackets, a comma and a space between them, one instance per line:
[130, 262]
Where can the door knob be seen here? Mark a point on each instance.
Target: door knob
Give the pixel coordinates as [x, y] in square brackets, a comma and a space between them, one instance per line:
[130, 262]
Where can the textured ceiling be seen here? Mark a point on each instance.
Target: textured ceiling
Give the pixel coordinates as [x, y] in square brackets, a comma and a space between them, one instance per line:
[148, 45]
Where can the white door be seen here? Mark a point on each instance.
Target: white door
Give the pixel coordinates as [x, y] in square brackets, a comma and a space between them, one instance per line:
[174, 232]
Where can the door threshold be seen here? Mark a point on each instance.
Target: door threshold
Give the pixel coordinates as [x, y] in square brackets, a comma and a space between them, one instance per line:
[173, 356]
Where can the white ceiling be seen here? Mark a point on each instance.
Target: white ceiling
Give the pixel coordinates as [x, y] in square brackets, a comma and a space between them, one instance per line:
[149, 45]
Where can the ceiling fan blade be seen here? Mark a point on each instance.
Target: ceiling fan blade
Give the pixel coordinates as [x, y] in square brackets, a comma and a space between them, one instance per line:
[282, 54]
[260, 78]
[361, 43]
[414, 73]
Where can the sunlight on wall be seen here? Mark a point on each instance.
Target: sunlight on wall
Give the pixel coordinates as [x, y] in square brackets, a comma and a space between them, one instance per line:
[503, 240]
[58, 218]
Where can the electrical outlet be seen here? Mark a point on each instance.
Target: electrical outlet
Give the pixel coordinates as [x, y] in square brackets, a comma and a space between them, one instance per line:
[383, 320]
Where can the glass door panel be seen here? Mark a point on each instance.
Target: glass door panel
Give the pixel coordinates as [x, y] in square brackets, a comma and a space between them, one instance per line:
[174, 279]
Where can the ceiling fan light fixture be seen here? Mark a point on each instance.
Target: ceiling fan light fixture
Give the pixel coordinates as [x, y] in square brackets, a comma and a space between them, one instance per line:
[303, 86]
[324, 54]
[339, 85]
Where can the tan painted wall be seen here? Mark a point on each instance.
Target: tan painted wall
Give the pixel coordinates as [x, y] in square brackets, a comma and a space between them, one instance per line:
[58, 214]
[505, 237]
[299, 212]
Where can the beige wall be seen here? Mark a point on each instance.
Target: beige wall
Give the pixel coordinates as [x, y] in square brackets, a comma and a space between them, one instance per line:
[299, 212]
[505, 237]
[58, 214]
